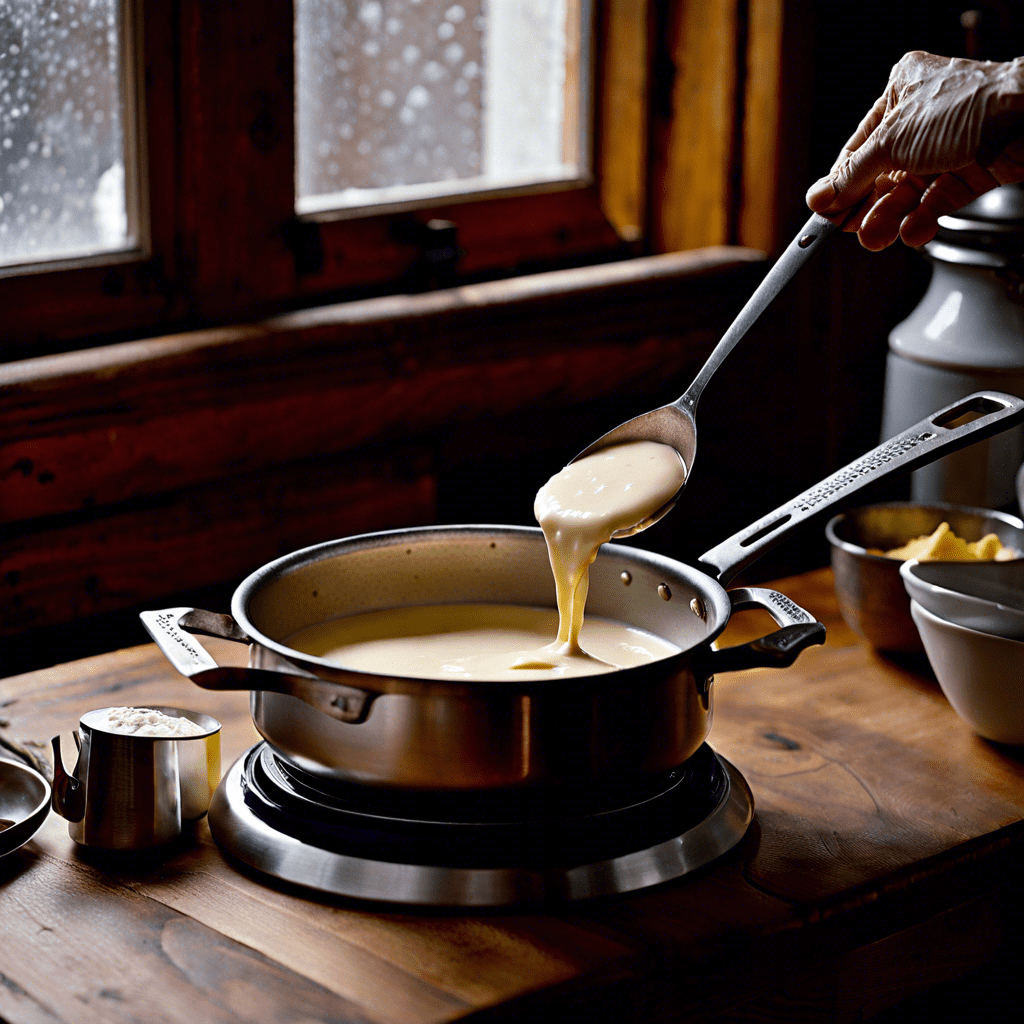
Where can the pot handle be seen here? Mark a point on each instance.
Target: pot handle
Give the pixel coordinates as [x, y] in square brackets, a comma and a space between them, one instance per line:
[777, 650]
[971, 419]
[170, 627]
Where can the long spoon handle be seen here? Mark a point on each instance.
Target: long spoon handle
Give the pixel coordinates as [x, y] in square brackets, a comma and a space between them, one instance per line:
[807, 242]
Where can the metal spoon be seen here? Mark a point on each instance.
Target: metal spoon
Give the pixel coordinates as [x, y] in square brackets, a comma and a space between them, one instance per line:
[675, 424]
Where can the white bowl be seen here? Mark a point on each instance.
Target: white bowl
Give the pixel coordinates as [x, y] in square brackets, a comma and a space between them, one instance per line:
[986, 596]
[981, 675]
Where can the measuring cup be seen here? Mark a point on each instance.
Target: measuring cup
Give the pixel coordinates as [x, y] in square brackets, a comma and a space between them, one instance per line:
[131, 792]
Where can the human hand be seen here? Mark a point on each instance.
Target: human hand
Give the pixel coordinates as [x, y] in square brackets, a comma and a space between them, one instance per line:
[944, 131]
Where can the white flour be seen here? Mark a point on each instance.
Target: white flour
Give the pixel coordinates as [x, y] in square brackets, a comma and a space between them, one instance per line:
[146, 722]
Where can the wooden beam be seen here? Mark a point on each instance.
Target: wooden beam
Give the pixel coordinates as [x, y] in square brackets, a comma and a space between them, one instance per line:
[109, 424]
[623, 123]
[62, 571]
[694, 174]
[776, 115]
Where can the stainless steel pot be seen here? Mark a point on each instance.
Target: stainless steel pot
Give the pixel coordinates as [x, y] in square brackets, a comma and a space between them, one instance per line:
[384, 730]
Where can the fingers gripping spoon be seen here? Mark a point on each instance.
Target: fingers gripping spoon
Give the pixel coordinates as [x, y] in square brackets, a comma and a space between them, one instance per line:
[675, 424]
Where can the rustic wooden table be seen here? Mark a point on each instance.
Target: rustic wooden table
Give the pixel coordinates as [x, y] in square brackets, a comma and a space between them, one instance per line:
[882, 860]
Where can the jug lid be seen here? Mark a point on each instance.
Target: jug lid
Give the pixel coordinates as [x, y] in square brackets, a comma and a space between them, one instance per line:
[987, 232]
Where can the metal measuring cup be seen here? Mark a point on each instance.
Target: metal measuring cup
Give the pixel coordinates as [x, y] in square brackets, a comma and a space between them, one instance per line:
[132, 792]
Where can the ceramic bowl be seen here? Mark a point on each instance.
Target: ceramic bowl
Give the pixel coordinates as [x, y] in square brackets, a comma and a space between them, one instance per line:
[981, 675]
[871, 595]
[986, 596]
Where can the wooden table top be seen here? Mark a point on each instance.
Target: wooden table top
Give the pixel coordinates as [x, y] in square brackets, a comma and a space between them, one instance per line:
[885, 833]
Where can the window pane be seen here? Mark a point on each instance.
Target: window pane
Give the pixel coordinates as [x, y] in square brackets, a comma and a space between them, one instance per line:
[62, 134]
[407, 100]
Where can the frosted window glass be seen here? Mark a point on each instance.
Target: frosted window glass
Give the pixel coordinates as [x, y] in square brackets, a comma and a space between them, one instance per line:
[400, 100]
[62, 146]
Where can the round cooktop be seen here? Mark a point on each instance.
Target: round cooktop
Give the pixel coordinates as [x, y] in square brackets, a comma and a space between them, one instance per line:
[447, 850]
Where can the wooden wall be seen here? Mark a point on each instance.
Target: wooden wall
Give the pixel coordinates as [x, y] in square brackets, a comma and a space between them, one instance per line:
[143, 471]
[132, 473]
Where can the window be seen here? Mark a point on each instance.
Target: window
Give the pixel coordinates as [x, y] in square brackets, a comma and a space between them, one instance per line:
[219, 214]
[68, 163]
[537, 130]
[254, 408]
[402, 103]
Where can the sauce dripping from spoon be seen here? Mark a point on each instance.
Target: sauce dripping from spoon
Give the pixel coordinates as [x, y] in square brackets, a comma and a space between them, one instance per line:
[581, 508]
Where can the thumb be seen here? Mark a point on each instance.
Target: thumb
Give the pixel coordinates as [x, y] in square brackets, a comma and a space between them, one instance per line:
[851, 180]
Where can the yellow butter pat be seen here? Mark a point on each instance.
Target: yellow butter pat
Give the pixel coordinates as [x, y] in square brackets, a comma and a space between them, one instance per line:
[945, 546]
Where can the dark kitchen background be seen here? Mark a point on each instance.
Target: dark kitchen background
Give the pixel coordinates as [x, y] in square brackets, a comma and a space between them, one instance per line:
[167, 428]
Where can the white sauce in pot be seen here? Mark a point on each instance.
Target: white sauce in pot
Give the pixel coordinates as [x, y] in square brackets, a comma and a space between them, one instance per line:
[471, 641]
[578, 509]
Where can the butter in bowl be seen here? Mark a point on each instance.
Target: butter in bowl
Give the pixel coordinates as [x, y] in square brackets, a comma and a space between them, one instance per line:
[870, 592]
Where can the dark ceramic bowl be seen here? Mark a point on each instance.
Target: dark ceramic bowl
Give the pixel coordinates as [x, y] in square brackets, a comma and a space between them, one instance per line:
[871, 595]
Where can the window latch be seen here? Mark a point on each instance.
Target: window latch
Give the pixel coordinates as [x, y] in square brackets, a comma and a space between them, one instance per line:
[439, 252]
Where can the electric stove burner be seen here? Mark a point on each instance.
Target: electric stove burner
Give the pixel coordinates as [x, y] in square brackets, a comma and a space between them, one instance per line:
[478, 848]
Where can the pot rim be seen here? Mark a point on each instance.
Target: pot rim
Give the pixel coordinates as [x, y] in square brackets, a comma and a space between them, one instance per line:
[709, 588]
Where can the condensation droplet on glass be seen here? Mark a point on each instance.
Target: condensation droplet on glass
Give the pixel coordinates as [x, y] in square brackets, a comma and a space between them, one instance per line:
[418, 96]
[371, 48]
[364, 147]
[472, 107]
[346, 131]
[370, 14]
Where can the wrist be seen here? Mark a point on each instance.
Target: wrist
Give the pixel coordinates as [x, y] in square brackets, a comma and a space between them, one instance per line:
[1009, 81]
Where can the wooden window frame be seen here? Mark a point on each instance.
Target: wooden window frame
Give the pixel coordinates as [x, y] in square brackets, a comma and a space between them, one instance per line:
[217, 118]
[156, 413]
[681, 158]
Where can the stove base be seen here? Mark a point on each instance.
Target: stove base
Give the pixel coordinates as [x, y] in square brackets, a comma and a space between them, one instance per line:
[361, 864]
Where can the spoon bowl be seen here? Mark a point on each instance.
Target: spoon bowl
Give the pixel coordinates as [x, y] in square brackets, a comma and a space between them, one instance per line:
[675, 424]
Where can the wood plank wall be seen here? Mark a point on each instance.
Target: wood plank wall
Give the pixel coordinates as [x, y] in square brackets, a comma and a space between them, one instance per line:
[133, 471]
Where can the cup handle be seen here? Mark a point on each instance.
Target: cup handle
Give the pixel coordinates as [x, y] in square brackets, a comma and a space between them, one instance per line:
[67, 797]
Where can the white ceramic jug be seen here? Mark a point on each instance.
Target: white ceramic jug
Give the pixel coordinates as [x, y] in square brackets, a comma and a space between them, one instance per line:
[966, 334]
